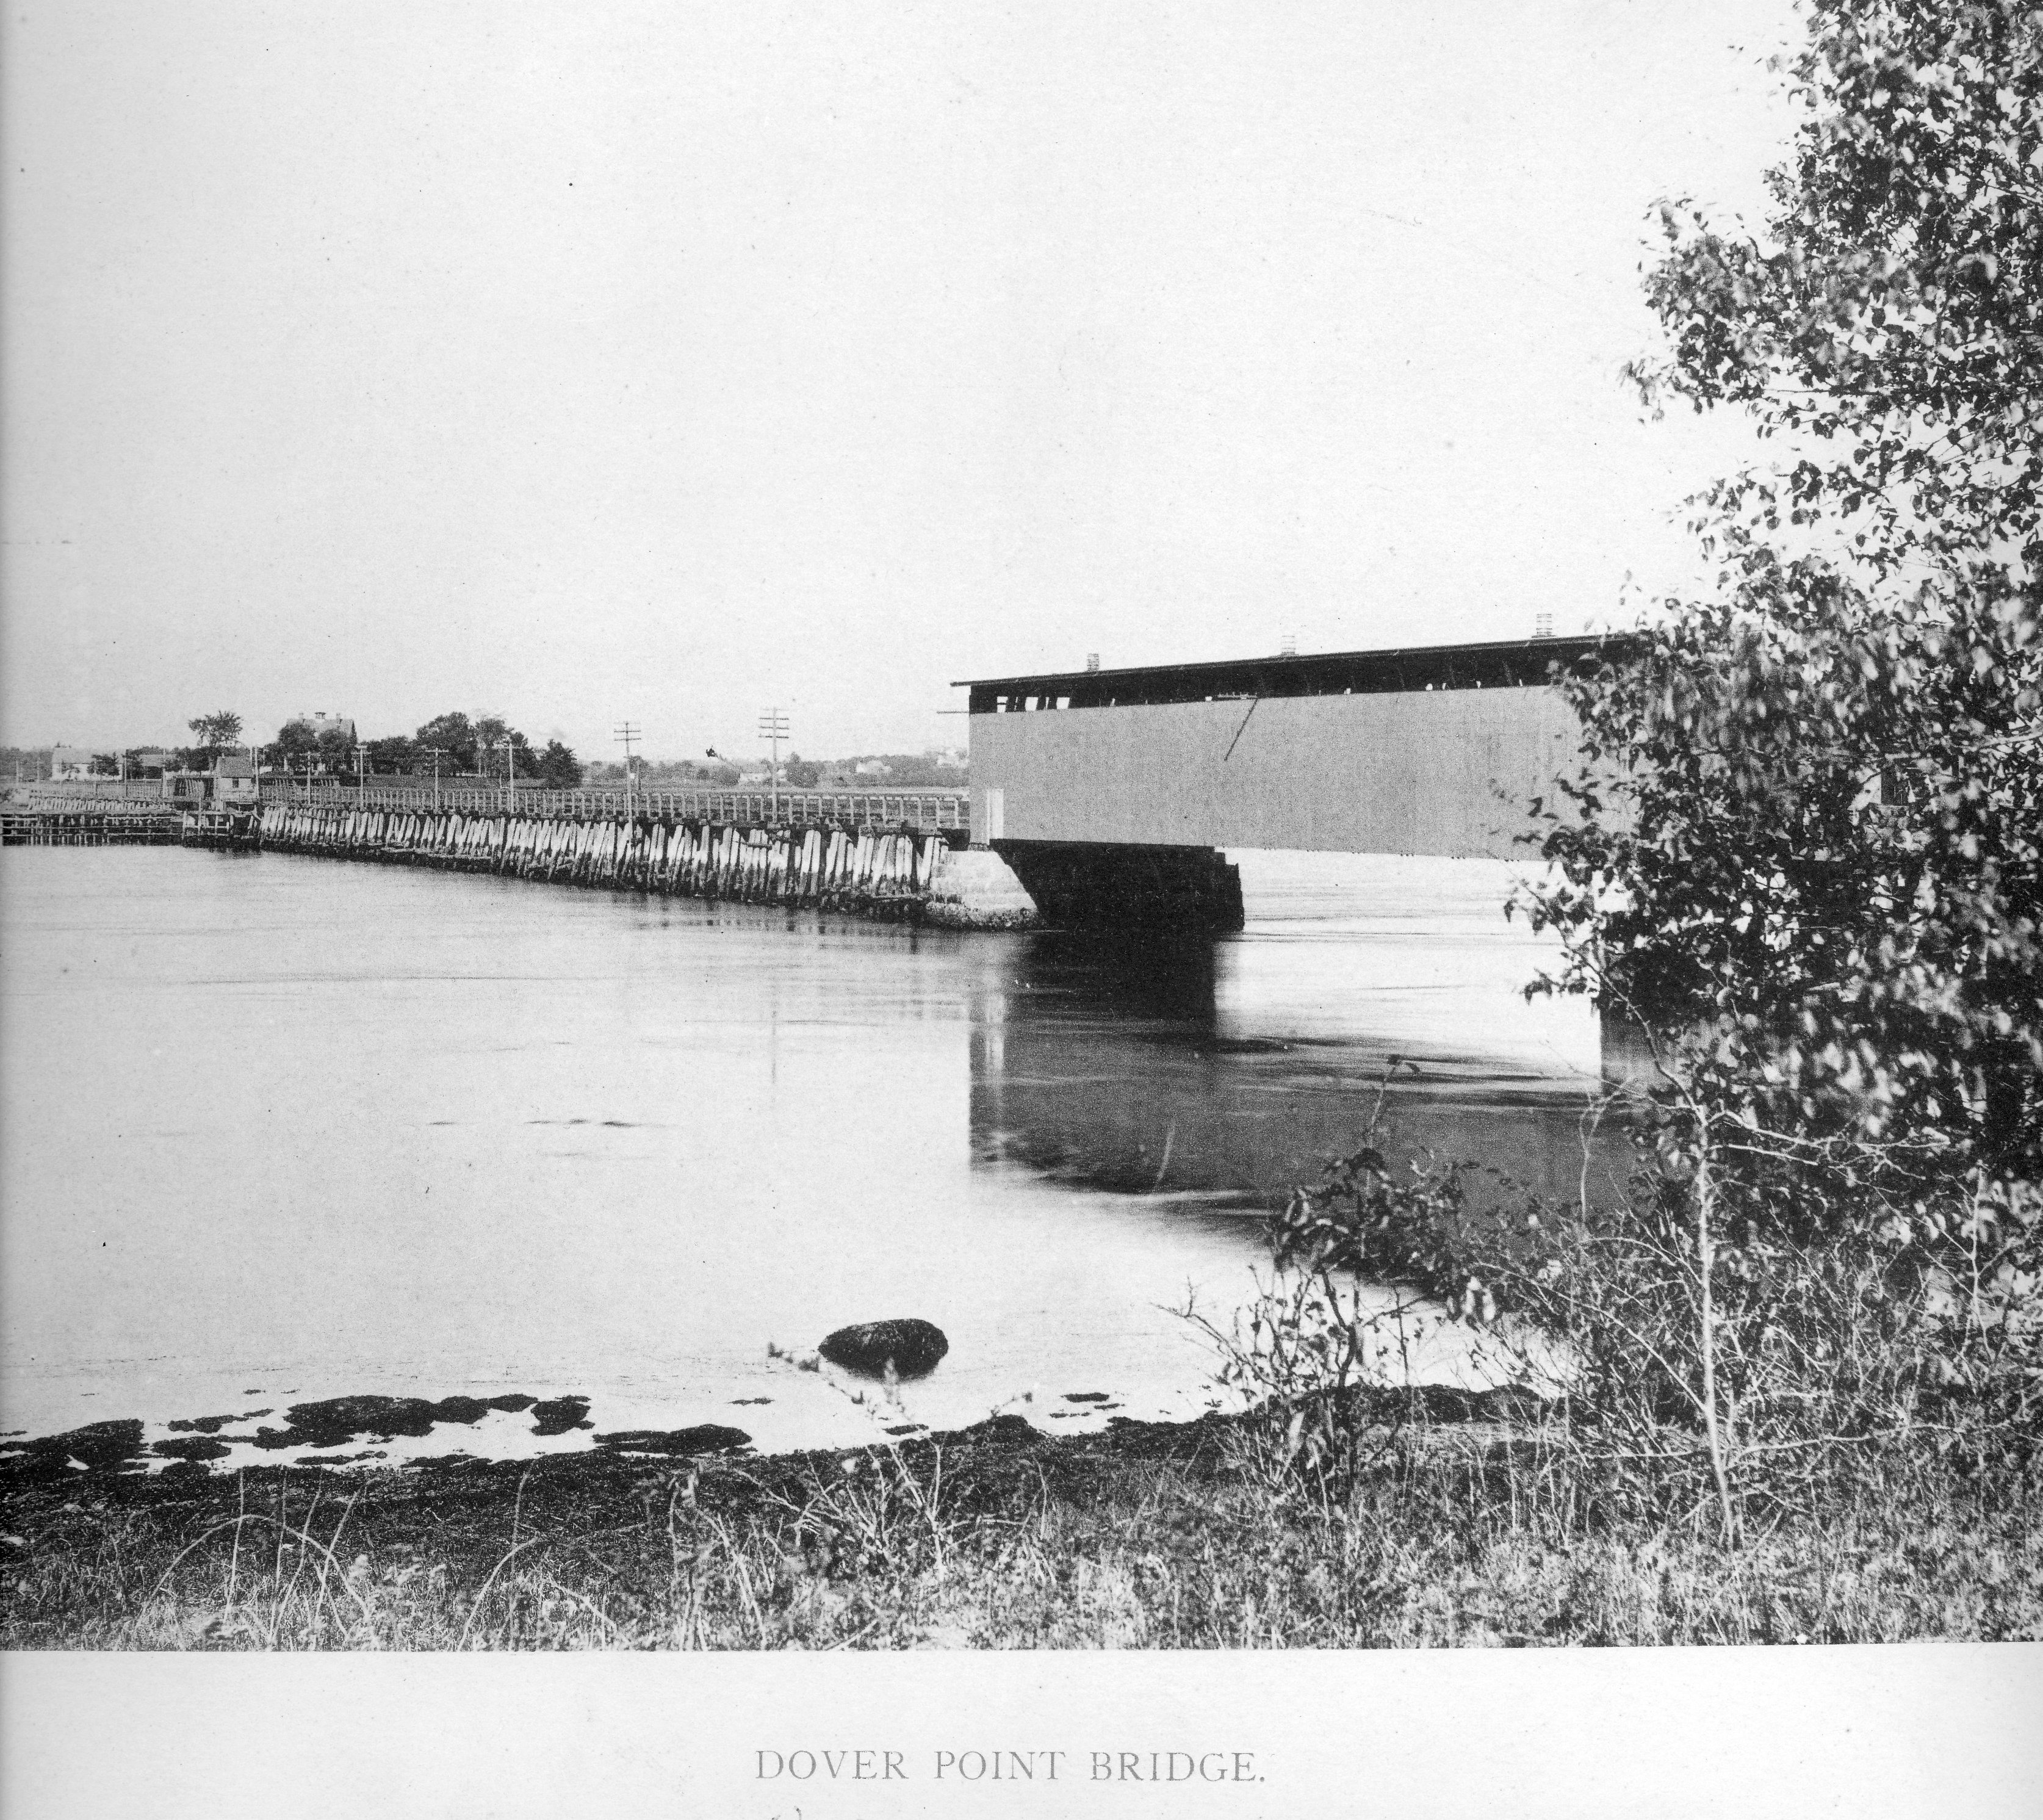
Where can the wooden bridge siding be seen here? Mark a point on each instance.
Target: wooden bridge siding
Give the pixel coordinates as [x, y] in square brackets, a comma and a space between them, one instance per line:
[1412, 773]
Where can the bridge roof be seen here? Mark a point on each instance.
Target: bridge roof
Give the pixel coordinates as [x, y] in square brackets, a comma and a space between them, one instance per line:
[1501, 663]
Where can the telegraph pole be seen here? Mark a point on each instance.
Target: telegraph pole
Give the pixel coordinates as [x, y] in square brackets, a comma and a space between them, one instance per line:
[510, 772]
[362, 774]
[436, 750]
[624, 732]
[774, 726]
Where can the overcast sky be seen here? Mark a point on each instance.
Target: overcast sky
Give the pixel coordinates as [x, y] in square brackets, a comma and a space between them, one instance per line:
[580, 362]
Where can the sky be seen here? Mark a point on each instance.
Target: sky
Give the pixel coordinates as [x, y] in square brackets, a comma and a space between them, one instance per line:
[581, 364]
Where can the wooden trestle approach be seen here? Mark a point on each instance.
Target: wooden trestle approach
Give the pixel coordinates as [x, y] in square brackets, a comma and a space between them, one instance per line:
[874, 871]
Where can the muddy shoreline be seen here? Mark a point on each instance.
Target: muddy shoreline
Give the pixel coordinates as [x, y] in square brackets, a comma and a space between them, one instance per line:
[113, 1460]
[453, 1509]
[999, 1535]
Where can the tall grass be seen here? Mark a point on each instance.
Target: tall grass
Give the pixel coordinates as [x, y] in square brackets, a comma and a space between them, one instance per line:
[1444, 1533]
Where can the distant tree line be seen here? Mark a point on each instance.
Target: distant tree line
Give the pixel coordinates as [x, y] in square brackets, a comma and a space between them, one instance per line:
[459, 745]
[453, 744]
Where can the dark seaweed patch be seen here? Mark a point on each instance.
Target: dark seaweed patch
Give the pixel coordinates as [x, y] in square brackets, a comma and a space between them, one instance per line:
[336, 1420]
[99, 1447]
[708, 1438]
[559, 1415]
[213, 1424]
[194, 1447]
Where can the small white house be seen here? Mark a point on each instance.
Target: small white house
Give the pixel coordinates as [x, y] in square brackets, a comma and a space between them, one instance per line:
[234, 782]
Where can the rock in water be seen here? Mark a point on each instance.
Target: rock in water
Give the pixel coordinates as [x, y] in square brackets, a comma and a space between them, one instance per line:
[912, 1347]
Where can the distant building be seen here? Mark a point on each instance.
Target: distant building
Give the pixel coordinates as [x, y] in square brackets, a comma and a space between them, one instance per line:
[873, 768]
[234, 782]
[70, 761]
[319, 725]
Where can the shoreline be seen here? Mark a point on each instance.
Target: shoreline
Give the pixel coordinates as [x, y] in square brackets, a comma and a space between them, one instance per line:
[356, 1435]
[1194, 1534]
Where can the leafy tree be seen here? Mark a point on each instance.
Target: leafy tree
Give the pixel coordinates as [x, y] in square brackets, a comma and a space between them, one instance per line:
[558, 768]
[491, 731]
[801, 772]
[1805, 848]
[455, 737]
[1818, 796]
[295, 742]
[335, 751]
[1809, 836]
[1887, 322]
[216, 732]
[394, 754]
[104, 765]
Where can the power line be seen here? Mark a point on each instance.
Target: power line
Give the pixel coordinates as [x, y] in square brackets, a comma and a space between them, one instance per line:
[624, 732]
[774, 726]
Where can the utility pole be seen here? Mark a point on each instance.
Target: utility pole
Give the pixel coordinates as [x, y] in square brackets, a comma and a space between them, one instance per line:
[436, 750]
[624, 732]
[362, 774]
[510, 772]
[774, 726]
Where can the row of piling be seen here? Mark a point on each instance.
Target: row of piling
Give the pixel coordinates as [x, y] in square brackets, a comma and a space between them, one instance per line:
[87, 827]
[874, 871]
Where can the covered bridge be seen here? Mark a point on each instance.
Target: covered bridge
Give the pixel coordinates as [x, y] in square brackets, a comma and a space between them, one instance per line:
[1428, 749]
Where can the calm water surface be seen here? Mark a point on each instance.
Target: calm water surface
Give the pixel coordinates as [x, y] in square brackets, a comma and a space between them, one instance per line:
[277, 1128]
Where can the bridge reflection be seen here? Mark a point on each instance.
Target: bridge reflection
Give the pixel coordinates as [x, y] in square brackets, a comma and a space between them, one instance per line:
[1148, 1068]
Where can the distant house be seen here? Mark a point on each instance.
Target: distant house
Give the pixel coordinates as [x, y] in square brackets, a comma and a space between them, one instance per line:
[234, 782]
[873, 768]
[70, 761]
[318, 725]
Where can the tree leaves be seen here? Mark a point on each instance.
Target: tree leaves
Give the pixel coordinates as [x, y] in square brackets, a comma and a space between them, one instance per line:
[1893, 304]
[1805, 841]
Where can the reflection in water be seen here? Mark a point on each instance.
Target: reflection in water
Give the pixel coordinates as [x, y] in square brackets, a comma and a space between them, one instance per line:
[1147, 1069]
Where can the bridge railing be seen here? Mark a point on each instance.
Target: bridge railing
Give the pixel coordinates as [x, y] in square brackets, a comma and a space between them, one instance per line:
[76, 792]
[934, 809]
[48, 800]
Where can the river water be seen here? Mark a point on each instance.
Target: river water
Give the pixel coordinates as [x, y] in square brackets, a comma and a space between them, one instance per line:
[277, 1128]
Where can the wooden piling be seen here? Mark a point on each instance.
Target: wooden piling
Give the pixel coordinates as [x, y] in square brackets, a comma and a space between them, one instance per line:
[886, 872]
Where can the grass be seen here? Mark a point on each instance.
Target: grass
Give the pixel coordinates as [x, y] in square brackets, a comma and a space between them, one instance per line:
[997, 1537]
